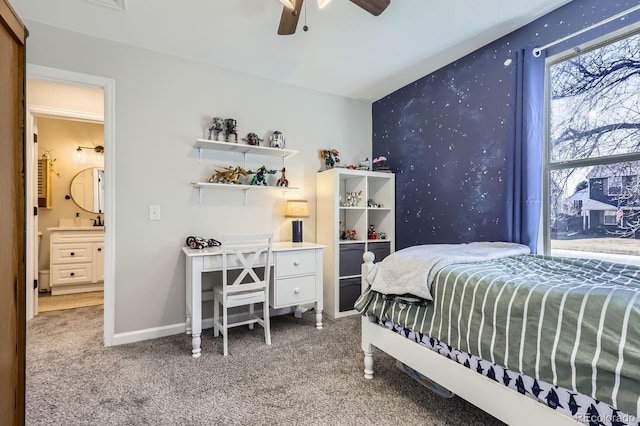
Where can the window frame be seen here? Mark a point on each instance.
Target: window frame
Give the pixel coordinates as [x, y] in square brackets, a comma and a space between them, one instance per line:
[619, 186]
[544, 235]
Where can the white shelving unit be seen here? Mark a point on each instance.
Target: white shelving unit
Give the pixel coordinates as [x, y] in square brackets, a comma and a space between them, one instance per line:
[243, 149]
[343, 258]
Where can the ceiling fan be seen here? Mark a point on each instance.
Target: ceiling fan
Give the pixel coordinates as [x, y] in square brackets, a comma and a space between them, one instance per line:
[292, 8]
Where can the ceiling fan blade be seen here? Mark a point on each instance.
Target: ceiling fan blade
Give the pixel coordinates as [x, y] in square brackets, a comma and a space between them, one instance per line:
[289, 19]
[374, 7]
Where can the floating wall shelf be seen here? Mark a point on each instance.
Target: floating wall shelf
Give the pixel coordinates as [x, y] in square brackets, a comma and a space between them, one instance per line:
[244, 188]
[242, 148]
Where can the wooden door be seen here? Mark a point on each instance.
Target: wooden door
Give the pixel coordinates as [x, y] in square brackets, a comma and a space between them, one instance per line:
[12, 217]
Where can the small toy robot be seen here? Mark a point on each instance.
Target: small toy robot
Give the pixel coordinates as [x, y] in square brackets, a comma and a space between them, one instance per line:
[217, 126]
[231, 127]
[252, 139]
[277, 139]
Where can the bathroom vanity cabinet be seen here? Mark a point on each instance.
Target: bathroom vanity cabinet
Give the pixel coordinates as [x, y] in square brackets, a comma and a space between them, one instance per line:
[76, 259]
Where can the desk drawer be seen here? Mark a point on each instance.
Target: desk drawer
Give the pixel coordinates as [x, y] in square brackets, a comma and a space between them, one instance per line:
[293, 291]
[72, 274]
[299, 262]
[215, 262]
[71, 252]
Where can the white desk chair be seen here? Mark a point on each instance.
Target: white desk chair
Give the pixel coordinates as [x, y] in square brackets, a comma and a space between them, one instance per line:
[251, 255]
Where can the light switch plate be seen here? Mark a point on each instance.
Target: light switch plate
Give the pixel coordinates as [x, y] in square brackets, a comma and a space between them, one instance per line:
[154, 212]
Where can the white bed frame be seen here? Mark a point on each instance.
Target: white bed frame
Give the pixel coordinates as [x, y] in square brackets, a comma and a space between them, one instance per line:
[493, 397]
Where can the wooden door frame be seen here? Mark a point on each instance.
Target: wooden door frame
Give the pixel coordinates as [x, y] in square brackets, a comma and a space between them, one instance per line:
[12, 216]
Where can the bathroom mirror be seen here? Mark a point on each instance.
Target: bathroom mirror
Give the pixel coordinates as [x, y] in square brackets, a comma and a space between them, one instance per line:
[87, 189]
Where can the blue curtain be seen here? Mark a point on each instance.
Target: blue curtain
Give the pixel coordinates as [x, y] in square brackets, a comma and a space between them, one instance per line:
[524, 154]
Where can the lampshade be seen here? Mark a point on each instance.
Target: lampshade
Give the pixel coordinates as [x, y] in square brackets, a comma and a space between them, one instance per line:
[297, 208]
[323, 3]
[288, 3]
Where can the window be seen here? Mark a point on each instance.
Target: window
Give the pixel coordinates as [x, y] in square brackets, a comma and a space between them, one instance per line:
[614, 185]
[593, 151]
[609, 218]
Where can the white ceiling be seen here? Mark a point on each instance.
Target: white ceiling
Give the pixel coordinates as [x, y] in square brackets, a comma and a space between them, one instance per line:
[346, 51]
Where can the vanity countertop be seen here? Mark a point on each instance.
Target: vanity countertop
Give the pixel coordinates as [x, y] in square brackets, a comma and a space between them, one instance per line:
[76, 228]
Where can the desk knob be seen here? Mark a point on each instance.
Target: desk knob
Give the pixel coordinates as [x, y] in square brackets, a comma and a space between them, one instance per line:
[296, 290]
[296, 262]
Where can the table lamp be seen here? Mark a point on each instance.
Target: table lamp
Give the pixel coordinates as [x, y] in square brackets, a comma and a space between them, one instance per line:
[296, 208]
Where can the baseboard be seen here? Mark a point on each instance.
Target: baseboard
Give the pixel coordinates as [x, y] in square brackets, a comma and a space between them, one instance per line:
[180, 328]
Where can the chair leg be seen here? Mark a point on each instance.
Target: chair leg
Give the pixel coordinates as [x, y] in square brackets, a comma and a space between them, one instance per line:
[267, 323]
[225, 331]
[251, 315]
[216, 317]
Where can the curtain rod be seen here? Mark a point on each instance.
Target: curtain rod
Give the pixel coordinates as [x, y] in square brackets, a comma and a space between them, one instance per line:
[538, 50]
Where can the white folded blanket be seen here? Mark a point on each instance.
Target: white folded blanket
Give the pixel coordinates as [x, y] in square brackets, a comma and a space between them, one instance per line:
[413, 269]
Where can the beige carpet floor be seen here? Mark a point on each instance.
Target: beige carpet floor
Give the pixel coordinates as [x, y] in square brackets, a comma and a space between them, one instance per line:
[306, 377]
[47, 302]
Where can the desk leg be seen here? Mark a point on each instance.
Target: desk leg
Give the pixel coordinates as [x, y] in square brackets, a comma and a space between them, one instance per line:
[318, 317]
[194, 298]
[187, 284]
[319, 289]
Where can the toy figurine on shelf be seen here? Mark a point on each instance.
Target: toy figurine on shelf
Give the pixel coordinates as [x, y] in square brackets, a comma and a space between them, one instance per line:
[353, 198]
[330, 157]
[228, 175]
[364, 164]
[380, 164]
[217, 126]
[382, 235]
[282, 180]
[260, 176]
[277, 139]
[231, 128]
[252, 139]
[372, 233]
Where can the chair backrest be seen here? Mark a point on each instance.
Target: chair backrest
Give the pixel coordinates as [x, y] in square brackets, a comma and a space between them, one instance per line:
[246, 253]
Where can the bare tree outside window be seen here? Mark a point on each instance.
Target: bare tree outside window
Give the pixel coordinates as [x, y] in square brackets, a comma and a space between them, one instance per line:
[594, 149]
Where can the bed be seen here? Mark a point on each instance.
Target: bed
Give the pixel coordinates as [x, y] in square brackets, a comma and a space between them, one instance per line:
[528, 338]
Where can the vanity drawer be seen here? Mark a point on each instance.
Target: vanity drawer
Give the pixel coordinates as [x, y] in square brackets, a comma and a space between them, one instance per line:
[71, 253]
[72, 274]
[298, 262]
[294, 291]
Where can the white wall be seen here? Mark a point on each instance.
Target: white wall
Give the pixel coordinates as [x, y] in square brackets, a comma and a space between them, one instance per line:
[162, 105]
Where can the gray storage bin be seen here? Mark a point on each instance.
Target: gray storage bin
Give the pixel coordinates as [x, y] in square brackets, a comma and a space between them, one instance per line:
[380, 250]
[351, 259]
[349, 293]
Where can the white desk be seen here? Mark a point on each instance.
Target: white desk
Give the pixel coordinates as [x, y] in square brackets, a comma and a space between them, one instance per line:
[296, 280]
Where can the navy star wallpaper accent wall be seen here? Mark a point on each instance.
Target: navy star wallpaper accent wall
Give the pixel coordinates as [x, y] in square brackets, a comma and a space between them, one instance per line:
[447, 134]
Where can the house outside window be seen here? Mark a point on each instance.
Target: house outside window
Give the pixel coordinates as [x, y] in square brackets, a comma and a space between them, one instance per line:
[593, 151]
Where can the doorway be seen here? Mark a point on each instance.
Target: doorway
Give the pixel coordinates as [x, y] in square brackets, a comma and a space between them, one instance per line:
[38, 107]
[70, 196]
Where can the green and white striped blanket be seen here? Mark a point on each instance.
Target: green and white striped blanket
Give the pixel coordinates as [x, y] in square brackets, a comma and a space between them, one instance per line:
[570, 322]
